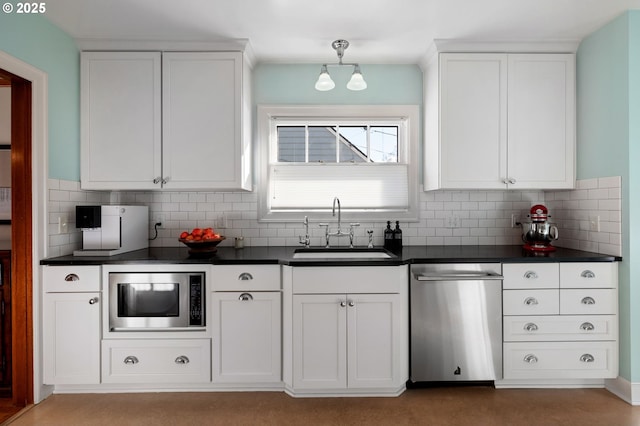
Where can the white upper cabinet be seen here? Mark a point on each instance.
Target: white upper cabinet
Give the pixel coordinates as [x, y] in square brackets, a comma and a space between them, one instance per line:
[121, 129]
[171, 120]
[497, 121]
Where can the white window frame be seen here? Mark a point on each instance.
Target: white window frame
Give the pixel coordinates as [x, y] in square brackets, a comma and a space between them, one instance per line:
[269, 116]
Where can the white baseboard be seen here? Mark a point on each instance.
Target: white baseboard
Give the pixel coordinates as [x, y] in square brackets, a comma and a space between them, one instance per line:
[624, 389]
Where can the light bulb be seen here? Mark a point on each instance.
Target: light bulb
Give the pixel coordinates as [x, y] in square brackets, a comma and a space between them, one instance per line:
[357, 81]
[324, 82]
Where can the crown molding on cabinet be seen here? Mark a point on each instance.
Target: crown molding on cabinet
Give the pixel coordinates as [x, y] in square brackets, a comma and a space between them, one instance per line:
[231, 45]
[496, 46]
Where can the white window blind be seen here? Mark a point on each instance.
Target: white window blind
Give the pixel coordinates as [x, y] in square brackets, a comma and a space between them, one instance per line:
[362, 187]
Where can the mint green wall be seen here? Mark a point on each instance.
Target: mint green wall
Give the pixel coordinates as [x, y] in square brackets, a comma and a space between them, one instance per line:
[294, 84]
[34, 40]
[608, 87]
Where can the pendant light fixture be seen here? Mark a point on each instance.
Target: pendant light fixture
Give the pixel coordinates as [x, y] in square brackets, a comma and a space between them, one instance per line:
[325, 82]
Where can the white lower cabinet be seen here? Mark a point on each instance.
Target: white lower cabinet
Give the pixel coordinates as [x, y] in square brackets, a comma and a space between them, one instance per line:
[346, 341]
[560, 321]
[351, 341]
[72, 338]
[566, 360]
[246, 319]
[71, 325]
[156, 361]
[246, 337]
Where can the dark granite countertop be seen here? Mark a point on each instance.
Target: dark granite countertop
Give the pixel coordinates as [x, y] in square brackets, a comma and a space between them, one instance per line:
[284, 255]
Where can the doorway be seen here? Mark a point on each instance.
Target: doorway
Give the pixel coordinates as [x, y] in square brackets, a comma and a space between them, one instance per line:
[21, 263]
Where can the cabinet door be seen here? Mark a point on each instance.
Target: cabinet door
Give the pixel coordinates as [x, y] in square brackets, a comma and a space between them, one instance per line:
[541, 114]
[71, 349]
[374, 340]
[120, 120]
[202, 120]
[319, 341]
[246, 337]
[473, 120]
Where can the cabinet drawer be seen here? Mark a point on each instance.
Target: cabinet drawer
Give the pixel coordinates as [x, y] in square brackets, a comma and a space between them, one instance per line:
[589, 275]
[156, 361]
[560, 360]
[530, 302]
[558, 328]
[246, 277]
[530, 275]
[349, 279]
[71, 278]
[600, 301]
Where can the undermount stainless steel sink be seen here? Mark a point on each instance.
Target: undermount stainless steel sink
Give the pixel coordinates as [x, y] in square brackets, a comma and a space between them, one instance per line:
[346, 254]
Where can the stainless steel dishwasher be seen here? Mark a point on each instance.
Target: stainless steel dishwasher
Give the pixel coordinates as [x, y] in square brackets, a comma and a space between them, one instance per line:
[456, 322]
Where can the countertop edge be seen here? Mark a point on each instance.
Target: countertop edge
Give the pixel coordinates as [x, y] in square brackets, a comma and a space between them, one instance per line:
[284, 256]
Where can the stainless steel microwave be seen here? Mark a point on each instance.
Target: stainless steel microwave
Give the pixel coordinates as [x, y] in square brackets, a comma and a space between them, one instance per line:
[158, 301]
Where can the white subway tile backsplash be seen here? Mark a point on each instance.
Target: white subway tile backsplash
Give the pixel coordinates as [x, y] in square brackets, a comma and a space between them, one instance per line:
[474, 217]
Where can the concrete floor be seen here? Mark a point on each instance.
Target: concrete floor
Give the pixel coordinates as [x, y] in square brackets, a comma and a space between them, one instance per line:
[476, 406]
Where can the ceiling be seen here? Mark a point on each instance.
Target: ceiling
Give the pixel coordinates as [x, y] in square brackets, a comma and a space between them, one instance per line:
[301, 31]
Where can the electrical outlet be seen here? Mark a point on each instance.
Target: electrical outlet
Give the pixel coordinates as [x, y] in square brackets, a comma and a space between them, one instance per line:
[452, 221]
[158, 218]
[594, 223]
[63, 222]
[515, 220]
[221, 221]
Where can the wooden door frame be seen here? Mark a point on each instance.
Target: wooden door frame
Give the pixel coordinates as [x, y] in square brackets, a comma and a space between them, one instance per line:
[29, 173]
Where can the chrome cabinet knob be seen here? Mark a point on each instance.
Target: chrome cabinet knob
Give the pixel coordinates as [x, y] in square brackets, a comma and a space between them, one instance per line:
[530, 359]
[93, 300]
[511, 181]
[343, 303]
[157, 180]
[352, 303]
[587, 358]
[131, 360]
[588, 301]
[182, 359]
[530, 301]
[587, 326]
[530, 326]
[245, 297]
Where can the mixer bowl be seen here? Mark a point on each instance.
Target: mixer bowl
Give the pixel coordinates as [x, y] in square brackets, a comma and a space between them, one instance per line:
[539, 235]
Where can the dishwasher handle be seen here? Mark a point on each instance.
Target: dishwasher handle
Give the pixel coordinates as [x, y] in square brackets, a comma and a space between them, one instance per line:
[457, 276]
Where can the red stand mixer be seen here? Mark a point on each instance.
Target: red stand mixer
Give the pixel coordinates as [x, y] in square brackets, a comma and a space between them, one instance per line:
[538, 233]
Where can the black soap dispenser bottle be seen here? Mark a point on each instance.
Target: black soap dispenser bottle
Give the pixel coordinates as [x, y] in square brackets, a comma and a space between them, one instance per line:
[388, 237]
[397, 237]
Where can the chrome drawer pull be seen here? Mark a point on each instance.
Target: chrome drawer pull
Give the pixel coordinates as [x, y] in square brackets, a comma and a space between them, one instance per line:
[588, 301]
[130, 360]
[245, 297]
[530, 326]
[72, 277]
[587, 358]
[530, 275]
[530, 301]
[587, 326]
[245, 276]
[93, 300]
[587, 274]
[530, 359]
[182, 359]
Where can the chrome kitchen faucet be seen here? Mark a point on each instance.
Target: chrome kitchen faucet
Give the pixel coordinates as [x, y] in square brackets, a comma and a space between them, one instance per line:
[338, 233]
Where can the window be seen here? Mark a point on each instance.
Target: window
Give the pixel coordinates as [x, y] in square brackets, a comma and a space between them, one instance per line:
[364, 155]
